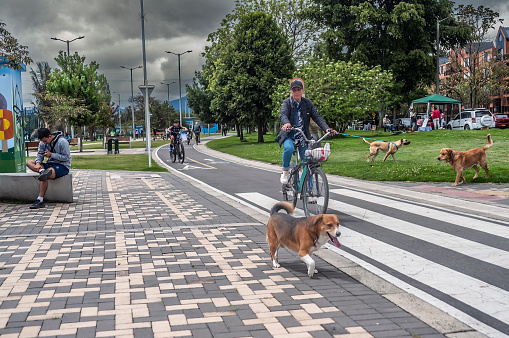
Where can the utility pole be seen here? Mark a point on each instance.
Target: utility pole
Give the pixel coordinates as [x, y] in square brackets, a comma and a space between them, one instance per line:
[132, 94]
[180, 87]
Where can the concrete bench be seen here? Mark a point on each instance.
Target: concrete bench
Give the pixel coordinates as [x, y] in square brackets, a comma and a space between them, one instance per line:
[25, 187]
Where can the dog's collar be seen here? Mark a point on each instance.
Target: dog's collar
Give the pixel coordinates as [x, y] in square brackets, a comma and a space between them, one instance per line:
[394, 145]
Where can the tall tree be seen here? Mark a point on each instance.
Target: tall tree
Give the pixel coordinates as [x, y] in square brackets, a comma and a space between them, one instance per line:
[475, 72]
[11, 51]
[398, 35]
[247, 71]
[199, 99]
[82, 82]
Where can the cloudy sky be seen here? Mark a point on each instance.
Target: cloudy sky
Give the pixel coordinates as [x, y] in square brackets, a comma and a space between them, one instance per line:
[112, 31]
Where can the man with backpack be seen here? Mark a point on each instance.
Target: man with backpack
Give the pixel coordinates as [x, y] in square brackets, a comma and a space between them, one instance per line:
[55, 148]
[197, 131]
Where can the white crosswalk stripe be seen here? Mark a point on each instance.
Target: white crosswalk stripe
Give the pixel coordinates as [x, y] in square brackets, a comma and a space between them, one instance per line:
[478, 294]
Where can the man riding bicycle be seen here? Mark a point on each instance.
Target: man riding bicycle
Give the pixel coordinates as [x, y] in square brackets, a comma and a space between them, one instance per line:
[175, 132]
[297, 112]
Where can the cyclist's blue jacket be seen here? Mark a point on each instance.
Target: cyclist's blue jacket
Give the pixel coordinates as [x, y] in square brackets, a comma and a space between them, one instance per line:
[308, 111]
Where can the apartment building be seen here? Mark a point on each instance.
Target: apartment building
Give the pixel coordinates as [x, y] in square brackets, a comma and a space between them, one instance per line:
[475, 58]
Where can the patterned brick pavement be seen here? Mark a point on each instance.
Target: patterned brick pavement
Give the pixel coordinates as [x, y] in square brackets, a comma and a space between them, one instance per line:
[151, 255]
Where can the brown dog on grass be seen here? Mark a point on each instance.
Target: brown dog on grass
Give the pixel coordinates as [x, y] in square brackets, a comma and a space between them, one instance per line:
[389, 148]
[303, 235]
[462, 160]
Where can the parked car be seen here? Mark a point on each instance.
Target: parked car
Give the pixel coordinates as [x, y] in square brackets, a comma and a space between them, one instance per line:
[501, 120]
[472, 119]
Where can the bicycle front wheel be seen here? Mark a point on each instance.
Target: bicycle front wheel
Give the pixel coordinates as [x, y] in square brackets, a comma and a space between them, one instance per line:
[315, 192]
[182, 153]
[290, 190]
[173, 154]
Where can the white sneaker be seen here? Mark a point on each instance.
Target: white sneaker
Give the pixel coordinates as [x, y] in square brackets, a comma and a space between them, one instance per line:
[312, 200]
[284, 177]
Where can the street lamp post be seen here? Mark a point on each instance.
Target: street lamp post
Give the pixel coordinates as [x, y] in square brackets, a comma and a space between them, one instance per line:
[68, 42]
[438, 55]
[168, 84]
[119, 116]
[180, 88]
[132, 94]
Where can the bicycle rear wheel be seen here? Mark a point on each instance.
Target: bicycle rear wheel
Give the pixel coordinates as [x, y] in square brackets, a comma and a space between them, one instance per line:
[182, 153]
[315, 192]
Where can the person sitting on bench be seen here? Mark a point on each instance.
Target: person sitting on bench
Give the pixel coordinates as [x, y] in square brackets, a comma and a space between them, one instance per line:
[55, 148]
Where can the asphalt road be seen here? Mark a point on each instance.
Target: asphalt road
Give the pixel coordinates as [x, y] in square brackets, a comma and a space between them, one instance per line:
[458, 262]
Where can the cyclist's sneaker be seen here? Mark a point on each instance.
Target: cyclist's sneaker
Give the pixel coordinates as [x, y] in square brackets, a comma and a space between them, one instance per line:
[171, 148]
[284, 177]
[312, 200]
[37, 204]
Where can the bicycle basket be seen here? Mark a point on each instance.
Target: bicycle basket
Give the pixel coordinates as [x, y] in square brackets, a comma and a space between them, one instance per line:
[183, 137]
[320, 154]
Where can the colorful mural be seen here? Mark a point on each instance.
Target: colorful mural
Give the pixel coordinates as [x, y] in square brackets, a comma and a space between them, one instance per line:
[12, 154]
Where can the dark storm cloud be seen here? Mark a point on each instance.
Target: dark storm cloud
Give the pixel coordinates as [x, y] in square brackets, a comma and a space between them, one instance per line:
[112, 31]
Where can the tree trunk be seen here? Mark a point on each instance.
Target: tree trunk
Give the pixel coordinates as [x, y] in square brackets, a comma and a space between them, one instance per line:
[261, 131]
[82, 129]
[241, 133]
[237, 126]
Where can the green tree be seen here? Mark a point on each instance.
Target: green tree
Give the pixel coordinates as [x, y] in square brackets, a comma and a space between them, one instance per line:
[11, 51]
[162, 115]
[397, 35]
[247, 71]
[77, 80]
[341, 91]
[475, 71]
[199, 99]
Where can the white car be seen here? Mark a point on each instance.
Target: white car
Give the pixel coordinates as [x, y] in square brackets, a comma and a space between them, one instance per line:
[472, 119]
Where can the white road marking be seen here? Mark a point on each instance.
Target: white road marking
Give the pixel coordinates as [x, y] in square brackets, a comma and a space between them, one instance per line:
[442, 216]
[266, 202]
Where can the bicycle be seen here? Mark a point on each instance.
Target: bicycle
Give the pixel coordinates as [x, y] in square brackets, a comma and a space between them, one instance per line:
[178, 150]
[308, 180]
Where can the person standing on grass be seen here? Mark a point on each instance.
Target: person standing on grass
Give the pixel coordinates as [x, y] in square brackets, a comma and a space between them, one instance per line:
[436, 118]
[55, 148]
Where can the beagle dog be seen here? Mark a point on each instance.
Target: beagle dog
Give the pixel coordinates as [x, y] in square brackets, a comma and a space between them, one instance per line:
[389, 148]
[302, 235]
[463, 160]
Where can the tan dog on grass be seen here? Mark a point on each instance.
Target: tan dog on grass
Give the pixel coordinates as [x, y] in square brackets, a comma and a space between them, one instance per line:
[389, 148]
[463, 160]
[303, 235]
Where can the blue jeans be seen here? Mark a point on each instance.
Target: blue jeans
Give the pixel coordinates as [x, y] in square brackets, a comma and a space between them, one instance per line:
[288, 152]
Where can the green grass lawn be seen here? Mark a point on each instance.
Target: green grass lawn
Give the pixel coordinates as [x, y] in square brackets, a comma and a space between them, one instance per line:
[416, 162]
[133, 162]
[135, 144]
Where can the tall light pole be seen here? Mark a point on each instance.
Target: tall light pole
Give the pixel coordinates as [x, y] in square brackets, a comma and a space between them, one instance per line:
[132, 94]
[68, 42]
[438, 55]
[145, 86]
[119, 116]
[180, 87]
[168, 84]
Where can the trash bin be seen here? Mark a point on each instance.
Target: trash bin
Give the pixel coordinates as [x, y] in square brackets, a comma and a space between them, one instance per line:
[110, 145]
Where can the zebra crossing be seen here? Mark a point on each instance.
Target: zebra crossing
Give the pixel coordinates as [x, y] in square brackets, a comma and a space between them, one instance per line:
[455, 261]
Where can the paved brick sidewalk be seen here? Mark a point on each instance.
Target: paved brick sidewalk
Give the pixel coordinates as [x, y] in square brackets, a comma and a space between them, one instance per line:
[142, 254]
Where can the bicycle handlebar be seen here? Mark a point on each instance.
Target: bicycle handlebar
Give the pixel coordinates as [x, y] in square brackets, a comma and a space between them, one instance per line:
[306, 139]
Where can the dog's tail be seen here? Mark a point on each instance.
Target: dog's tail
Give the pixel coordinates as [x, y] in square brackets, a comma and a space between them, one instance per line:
[490, 142]
[365, 141]
[288, 207]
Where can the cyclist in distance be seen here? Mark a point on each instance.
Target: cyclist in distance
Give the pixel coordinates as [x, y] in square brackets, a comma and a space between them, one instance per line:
[297, 112]
[175, 132]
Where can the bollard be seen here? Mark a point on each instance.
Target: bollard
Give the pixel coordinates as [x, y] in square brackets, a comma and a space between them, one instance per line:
[116, 146]
[110, 150]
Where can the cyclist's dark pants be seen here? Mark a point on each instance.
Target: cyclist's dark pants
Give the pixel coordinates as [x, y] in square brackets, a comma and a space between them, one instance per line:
[197, 135]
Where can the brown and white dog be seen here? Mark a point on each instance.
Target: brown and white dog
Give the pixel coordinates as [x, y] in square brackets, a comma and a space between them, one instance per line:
[302, 235]
[389, 148]
[462, 160]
